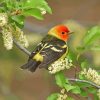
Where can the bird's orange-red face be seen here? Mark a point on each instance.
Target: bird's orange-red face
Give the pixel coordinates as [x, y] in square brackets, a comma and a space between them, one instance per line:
[60, 31]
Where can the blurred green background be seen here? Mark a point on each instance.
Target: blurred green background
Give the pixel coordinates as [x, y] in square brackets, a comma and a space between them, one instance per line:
[17, 84]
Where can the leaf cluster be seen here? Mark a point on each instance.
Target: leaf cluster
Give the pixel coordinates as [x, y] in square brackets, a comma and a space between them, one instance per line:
[18, 10]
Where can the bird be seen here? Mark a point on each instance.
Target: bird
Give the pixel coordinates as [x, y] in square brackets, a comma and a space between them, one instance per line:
[52, 48]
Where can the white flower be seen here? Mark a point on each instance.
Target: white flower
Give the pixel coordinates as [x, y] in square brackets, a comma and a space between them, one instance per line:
[20, 37]
[26, 44]
[62, 95]
[91, 75]
[9, 32]
[98, 93]
[59, 65]
[63, 91]
[43, 11]
[7, 38]
[3, 19]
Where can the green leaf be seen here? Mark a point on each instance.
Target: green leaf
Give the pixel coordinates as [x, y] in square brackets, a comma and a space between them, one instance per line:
[69, 98]
[83, 85]
[92, 34]
[69, 87]
[84, 93]
[32, 3]
[19, 19]
[67, 81]
[84, 64]
[60, 79]
[46, 7]
[76, 90]
[92, 90]
[9, 4]
[96, 97]
[33, 12]
[53, 96]
[37, 4]
[91, 40]
[81, 77]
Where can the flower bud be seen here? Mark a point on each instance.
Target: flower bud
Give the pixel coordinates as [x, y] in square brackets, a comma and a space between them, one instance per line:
[3, 19]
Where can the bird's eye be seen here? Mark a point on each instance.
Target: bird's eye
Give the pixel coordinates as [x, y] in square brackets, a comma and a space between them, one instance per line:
[63, 32]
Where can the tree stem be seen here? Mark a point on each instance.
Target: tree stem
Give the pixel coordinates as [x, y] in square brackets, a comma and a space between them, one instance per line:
[84, 81]
[23, 49]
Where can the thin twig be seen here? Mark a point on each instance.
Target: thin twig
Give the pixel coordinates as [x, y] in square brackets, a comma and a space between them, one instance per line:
[23, 49]
[84, 81]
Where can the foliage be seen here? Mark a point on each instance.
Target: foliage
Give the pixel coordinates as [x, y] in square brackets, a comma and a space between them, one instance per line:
[82, 88]
[12, 17]
[19, 9]
[91, 40]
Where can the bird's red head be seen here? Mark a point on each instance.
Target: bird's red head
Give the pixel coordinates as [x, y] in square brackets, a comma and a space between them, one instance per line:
[61, 32]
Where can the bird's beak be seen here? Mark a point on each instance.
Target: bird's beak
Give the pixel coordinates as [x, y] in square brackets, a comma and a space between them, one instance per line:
[70, 33]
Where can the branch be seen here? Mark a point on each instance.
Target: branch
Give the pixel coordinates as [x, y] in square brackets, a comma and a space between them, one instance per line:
[23, 49]
[84, 81]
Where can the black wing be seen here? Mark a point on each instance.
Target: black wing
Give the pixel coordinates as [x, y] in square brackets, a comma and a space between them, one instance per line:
[52, 54]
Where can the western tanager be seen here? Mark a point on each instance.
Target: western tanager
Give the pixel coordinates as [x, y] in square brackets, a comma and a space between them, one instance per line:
[50, 49]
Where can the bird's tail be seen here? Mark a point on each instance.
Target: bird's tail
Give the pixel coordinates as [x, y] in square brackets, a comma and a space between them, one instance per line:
[31, 65]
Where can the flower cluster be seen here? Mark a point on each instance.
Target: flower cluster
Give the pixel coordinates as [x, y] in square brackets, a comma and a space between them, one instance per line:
[59, 65]
[43, 11]
[20, 37]
[3, 19]
[98, 93]
[7, 38]
[62, 95]
[91, 75]
[8, 33]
